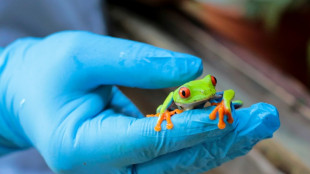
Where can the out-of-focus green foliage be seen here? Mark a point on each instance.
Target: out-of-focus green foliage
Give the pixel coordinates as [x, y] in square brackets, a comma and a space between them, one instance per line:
[270, 11]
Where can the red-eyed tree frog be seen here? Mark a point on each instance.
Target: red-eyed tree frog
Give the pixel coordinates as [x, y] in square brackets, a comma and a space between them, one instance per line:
[197, 94]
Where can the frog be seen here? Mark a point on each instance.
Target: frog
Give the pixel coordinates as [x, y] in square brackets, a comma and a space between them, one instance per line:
[197, 94]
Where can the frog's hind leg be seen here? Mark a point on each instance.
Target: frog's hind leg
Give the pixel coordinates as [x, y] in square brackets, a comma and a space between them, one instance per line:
[221, 123]
[220, 109]
[224, 108]
[236, 104]
[230, 119]
[168, 119]
[214, 104]
[212, 115]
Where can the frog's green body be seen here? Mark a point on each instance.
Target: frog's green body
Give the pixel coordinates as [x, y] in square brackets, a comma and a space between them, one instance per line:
[196, 93]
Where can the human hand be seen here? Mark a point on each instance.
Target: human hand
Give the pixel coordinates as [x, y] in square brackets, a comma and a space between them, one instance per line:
[57, 95]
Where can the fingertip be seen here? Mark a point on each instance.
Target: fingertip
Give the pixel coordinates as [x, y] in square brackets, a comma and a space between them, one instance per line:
[174, 68]
[171, 68]
[269, 115]
[259, 121]
[114, 61]
[190, 67]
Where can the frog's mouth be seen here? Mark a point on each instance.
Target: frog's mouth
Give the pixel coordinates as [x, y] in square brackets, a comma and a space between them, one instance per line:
[187, 106]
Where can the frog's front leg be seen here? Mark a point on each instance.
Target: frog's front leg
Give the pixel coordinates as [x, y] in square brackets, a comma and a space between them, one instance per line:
[224, 108]
[163, 113]
[168, 117]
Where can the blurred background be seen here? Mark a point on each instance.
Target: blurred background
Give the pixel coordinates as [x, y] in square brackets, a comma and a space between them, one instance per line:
[260, 48]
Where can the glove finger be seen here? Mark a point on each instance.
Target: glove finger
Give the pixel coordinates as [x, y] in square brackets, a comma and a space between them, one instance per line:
[254, 124]
[102, 60]
[121, 104]
[116, 139]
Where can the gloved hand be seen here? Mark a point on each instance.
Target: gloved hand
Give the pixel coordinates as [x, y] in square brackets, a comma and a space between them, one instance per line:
[57, 95]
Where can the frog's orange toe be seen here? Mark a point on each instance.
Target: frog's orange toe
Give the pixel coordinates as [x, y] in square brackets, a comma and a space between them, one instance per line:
[221, 125]
[157, 128]
[212, 116]
[169, 126]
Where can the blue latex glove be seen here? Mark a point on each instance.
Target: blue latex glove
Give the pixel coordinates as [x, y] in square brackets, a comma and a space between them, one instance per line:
[57, 95]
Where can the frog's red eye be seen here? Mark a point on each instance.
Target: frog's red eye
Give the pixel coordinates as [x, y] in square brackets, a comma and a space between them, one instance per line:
[214, 81]
[184, 92]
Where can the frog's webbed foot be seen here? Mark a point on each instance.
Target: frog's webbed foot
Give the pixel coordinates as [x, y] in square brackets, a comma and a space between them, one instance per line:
[165, 116]
[168, 117]
[222, 110]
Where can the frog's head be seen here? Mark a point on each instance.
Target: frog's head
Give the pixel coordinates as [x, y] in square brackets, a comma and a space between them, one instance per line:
[195, 92]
